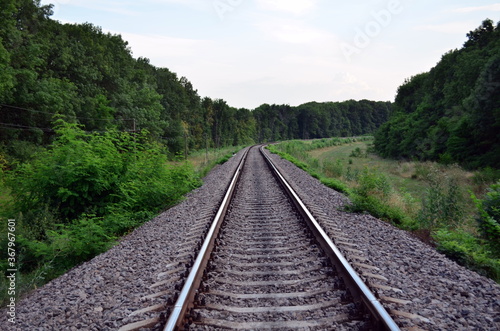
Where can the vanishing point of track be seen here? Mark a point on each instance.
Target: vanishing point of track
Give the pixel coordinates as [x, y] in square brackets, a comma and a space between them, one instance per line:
[267, 264]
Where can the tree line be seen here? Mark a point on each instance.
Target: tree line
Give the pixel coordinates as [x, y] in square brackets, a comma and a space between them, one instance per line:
[83, 75]
[451, 113]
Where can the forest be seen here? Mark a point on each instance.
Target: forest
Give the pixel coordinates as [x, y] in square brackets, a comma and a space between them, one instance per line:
[93, 141]
[451, 114]
[78, 73]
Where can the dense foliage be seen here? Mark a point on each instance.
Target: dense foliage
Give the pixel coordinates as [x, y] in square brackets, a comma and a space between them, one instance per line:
[489, 218]
[451, 113]
[89, 77]
[72, 200]
[90, 137]
[432, 200]
[319, 120]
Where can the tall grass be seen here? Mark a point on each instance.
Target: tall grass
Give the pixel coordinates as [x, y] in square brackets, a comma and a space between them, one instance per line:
[205, 160]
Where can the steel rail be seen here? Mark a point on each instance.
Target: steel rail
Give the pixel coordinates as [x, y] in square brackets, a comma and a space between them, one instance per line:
[354, 282]
[188, 292]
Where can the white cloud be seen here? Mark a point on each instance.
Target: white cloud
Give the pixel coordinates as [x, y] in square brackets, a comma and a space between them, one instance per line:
[125, 7]
[293, 31]
[453, 27]
[157, 46]
[112, 7]
[348, 85]
[297, 7]
[492, 7]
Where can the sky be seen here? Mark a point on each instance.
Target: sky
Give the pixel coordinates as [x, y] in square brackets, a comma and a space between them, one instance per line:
[250, 52]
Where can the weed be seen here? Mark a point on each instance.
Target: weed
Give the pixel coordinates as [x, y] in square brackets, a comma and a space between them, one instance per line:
[443, 204]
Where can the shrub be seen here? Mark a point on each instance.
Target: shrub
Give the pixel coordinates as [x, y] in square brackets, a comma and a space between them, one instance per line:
[224, 159]
[336, 185]
[356, 152]
[373, 183]
[76, 197]
[465, 249]
[487, 175]
[379, 209]
[333, 169]
[443, 204]
[76, 174]
[352, 174]
[91, 173]
[489, 218]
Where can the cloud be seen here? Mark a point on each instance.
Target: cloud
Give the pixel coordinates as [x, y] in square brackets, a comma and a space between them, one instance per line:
[492, 7]
[126, 7]
[157, 46]
[293, 31]
[113, 7]
[297, 7]
[452, 28]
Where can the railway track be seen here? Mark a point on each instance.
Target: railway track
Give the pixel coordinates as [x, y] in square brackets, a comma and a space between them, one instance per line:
[266, 265]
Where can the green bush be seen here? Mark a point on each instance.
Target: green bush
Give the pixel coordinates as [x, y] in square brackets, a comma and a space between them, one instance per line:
[352, 174]
[487, 176]
[77, 174]
[443, 204]
[489, 218]
[373, 183]
[466, 250]
[336, 185]
[333, 169]
[357, 152]
[67, 245]
[379, 209]
[74, 199]
[224, 158]
[91, 173]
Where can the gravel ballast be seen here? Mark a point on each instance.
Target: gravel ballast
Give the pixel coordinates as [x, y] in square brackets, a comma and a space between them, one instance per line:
[440, 294]
[431, 292]
[102, 294]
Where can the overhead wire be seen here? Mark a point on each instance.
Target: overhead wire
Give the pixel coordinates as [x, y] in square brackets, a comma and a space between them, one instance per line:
[26, 127]
[74, 116]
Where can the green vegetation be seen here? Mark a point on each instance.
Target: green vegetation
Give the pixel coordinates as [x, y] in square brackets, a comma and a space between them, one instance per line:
[431, 200]
[89, 77]
[204, 161]
[94, 142]
[319, 120]
[74, 199]
[451, 113]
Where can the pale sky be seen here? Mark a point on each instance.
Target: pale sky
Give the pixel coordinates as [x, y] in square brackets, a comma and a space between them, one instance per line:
[250, 52]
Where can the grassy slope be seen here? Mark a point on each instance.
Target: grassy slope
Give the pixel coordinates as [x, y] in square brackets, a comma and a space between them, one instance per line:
[405, 176]
[411, 195]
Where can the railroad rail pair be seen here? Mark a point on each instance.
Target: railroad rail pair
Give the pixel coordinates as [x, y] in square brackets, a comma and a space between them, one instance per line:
[358, 289]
